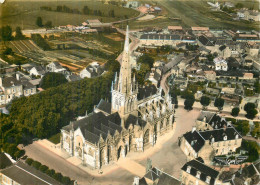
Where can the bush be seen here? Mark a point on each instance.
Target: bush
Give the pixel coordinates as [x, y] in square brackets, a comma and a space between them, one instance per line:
[57, 176]
[52, 80]
[43, 168]
[66, 180]
[250, 110]
[19, 153]
[252, 149]
[188, 104]
[29, 161]
[36, 164]
[50, 172]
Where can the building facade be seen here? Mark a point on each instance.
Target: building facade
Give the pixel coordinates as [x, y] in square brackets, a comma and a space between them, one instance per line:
[133, 121]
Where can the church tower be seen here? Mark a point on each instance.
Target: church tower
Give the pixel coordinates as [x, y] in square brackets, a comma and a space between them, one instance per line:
[124, 88]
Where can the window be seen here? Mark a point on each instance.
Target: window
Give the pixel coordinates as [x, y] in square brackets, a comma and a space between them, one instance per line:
[198, 174]
[208, 179]
[188, 169]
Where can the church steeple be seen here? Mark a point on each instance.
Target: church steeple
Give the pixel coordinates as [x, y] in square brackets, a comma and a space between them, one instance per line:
[124, 89]
[125, 71]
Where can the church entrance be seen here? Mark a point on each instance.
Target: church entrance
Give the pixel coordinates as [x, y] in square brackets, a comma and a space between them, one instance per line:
[109, 153]
[102, 160]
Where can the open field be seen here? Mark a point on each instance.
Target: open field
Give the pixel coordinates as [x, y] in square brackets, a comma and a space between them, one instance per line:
[194, 13]
[24, 14]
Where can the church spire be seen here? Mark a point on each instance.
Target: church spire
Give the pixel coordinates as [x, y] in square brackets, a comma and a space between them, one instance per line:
[125, 70]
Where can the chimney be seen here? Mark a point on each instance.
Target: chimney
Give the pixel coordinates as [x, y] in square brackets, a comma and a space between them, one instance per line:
[205, 119]
[17, 76]
[136, 181]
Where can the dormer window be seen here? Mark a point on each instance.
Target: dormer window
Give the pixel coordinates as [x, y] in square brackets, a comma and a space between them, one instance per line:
[188, 169]
[208, 179]
[225, 138]
[212, 140]
[198, 174]
[237, 136]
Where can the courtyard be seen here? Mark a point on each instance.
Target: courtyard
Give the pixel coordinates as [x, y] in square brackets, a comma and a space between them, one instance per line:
[165, 155]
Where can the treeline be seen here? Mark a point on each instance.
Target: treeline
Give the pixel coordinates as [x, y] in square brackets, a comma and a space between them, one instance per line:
[50, 172]
[40, 41]
[6, 33]
[42, 115]
[85, 11]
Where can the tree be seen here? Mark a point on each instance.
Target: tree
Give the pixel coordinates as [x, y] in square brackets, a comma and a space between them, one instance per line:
[256, 131]
[50, 172]
[8, 51]
[39, 22]
[58, 176]
[219, 103]
[65, 180]
[59, 9]
[18, 33]
[29, 161]
[86, 10]
[6, 33]
[205, 101]
[36, 164]
[19, 153]
[111, 13]
[188, 103]
[146, 59]
[48, 24]
[250, 110]
[52, 80]
[43, 168]
[235, 111]
[140, 75]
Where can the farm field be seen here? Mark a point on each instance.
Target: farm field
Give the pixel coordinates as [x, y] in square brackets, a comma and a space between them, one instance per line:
[24, 14]
[194, 13]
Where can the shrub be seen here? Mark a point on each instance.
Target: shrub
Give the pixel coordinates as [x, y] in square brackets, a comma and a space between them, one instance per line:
[58, 176]
[29, 161]
[50, 172]
[36, 164]
[43, 168]
[19, 153]
[66, 180]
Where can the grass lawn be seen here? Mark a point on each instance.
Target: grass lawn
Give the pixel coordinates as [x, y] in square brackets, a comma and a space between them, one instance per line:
[55, 138]
[24, 14]
[194, 13]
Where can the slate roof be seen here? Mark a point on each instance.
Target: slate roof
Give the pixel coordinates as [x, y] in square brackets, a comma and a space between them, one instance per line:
[197, 138]
[104, 106]
[160, 37]
[25, 175]
[10, 81]
[74, 77]
[205, 114]
[4, 161]
[203, 169]
[26, 84]
[144, 92]
[205, 41]
[97, 124]
[153, 174]
[142, 181]
[166, 179]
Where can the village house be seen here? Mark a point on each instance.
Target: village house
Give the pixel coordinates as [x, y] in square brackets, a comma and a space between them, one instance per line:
[159, 39]
[196, 172]
[37, 71]
[11, 87]
[210, 75]
[208, 143]
[220, 64]
[55, 67]
[132, 4]
[92, 70]
[153, 76]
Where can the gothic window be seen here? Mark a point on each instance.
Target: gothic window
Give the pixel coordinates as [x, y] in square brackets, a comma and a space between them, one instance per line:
[146, 136]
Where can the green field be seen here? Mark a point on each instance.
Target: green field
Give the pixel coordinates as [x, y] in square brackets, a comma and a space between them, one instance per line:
[24, 14]
[195, 13]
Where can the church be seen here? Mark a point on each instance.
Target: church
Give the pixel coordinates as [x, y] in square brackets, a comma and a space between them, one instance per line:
[132, 122]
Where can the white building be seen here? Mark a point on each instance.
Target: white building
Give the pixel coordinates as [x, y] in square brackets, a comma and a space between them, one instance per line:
[220, 64]
[55, 67]
[93, 70]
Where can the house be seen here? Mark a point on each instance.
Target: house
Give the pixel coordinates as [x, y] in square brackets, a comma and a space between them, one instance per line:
[73, 77]
[249, 174]
[55, 67]
[20, 173]
[37, 71]
[27, 67]
[207, 143]
[220, 64]
[153, 76]
[155, 176]
[254, 15]
[132, 4]
[210, 75]
[93, 70]
[175, 28]
[11, 87]
[196, 172]
[199, 30]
